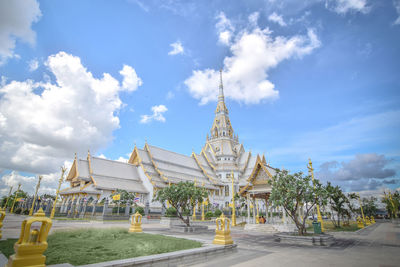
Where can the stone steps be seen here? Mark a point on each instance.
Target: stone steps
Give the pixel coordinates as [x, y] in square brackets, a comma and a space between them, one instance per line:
[264, 228]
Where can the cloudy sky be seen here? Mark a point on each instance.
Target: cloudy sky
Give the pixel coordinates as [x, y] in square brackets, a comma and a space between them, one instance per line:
[312, 79]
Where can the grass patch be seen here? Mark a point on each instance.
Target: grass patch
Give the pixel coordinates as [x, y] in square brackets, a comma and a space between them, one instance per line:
[7, 247]
[87, 246]
[329, 227]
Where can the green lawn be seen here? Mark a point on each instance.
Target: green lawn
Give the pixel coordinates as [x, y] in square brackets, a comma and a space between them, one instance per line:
[87, 246]
[329, 227]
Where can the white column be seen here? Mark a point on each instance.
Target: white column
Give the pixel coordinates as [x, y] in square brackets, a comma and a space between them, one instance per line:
[284, 216]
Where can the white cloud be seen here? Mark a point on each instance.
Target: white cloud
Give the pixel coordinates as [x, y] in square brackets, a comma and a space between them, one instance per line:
[157, 114]
[38, 131]
[16, 18]
[277, 19]
[396, 4]
[177, 49]
[33, 65]
[344, 6]
[225, 29]
[245, 73]
[131, 81]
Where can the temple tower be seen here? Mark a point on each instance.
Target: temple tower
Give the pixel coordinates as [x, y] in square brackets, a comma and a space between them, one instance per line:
[225, 145]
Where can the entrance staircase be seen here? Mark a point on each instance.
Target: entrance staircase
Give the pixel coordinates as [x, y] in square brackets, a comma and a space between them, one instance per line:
[264, 228]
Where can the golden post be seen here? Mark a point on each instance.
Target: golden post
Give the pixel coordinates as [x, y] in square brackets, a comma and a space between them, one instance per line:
[31, 243]
[202, 207]
[233, 203]
[34, 198]
[9, 194]
[258, 214]
[53, 211]
[194, 207]
[311, 170]
[15, 198]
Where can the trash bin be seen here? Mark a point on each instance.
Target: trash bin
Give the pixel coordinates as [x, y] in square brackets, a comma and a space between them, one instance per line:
[317, 227]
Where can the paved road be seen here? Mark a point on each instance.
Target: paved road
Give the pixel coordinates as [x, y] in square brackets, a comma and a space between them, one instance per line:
[377, 245]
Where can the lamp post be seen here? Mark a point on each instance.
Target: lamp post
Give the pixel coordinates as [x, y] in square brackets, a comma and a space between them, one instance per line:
[311, 170]
[9, 194]
[15, 198]
[53, 211]
[233, 203]
[34, 198]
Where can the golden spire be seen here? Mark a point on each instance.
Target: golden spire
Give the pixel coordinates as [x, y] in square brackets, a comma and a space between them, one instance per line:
[221, 87]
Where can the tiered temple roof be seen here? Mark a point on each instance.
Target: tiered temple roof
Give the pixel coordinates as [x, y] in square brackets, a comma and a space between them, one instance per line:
[222, 154]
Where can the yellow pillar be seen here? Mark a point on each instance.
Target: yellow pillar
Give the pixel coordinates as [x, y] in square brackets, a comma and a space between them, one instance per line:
[233, 203]
[194, 207]
[222, 232]
[362, 212]
[319, 217]
[53, 211]
[2, 216]
[34, 198]
[32, 242]
[258, 214]
[15, 198]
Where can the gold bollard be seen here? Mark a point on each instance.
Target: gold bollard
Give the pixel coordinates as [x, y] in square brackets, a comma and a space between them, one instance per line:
[223, 233]
[367, 221]
[372, 220]
[31, 243]
[136, 224]
[360, 223]
[2, 216]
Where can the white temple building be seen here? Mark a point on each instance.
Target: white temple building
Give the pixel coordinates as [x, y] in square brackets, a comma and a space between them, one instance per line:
[151, 168]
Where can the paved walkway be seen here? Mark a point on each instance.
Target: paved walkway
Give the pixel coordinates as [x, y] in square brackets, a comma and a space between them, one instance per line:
[377, 245]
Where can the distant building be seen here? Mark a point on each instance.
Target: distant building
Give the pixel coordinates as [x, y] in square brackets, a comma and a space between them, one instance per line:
[151, 168]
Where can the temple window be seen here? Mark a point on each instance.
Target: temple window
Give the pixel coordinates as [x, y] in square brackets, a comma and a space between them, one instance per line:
[227, 190]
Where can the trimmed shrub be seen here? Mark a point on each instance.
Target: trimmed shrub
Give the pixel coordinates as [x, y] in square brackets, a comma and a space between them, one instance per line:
[209, 214]
[170, 212]
[18, 211]
[217, 213]
[25, 212]
[140, 210]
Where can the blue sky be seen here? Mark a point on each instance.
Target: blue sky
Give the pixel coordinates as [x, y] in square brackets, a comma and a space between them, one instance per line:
[302, 79]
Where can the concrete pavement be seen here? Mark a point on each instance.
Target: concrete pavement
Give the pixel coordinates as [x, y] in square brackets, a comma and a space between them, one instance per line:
[377, 245]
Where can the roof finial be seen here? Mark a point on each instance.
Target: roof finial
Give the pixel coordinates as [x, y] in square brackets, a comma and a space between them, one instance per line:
[75, 156]
[88, 153]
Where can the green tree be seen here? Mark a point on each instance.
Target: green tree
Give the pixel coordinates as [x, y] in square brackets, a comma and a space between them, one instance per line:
[21, 194]
[337, 200]
[125, 196]
[183, 196]
[292, 190]
[369, 206]
[392, 205]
